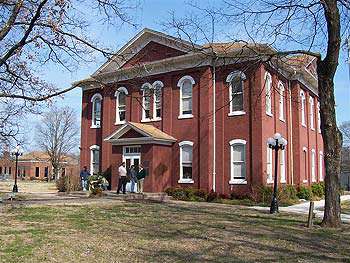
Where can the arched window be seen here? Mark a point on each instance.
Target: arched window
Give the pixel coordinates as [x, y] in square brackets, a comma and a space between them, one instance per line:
[238, 162]
[318, 118]
[281, 102]
[305, 160]
[302, 106]
[146, 102]
[313, 165]
[186, 151]
[269, 165]
[120, 96]
[94, 159]
[312, 109]
[236, 82]
[283, 166]
[320, 166]
[186, 88]
[157, 100]
[268, 93]
[96, 110]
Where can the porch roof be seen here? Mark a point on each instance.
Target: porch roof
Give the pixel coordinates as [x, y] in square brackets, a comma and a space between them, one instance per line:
[148, 135]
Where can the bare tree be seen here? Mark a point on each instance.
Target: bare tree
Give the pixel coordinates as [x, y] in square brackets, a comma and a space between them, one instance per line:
[35, 35]
[311, 28]
[57, 135]
[345, 130]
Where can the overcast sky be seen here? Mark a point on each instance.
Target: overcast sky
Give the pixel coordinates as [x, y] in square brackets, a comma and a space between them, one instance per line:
[151, 14]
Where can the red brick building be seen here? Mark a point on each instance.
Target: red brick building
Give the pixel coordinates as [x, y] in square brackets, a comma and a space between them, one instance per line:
[200, 116]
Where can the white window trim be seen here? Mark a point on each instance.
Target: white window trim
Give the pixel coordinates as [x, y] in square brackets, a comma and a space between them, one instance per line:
[312, 113]
[281, 101]
[283, 167]
[269, 152]
[268, 93]
[96, 96]
[116, 95]
[229, 78]
[303, 99]
[313, 165]
[232, 179]
[182, 180]
[156, 84]
[179, 84]
[305, 161]
[143, 88]
[93, 147]
[320, 168]
[318, 118]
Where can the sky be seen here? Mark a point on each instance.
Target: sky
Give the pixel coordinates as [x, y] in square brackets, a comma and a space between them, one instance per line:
[151, 14]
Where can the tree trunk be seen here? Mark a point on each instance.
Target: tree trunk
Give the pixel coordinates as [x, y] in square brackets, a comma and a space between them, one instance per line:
[332, 138]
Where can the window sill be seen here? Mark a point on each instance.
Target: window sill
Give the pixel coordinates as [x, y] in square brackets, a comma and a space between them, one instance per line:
[283, 182]
[185, 181]
[304, 125]
[95, 126]
[321, 179]
[119, 122]
[146, 120]
[187, 116]
[269, 114]
[304, 181]
[269, 181]
[157, 119]
[236, 113]
[238, 181]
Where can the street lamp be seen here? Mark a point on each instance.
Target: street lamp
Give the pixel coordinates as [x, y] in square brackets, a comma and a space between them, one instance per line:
[276, 143]
[16, 152]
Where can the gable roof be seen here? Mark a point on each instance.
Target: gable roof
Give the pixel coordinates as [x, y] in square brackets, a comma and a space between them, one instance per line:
[150, 134]
[137, 43]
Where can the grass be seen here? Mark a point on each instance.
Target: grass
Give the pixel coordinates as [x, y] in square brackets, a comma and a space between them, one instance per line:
[163, 232]
[28, 186]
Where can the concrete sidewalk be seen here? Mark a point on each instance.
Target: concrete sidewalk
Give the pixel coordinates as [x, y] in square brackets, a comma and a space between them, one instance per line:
[303, 208]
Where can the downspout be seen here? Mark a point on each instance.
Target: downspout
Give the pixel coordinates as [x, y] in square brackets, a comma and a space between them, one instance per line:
[214, 121]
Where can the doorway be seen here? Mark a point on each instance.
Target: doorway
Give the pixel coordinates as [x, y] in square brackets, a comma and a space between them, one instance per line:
[131, 156]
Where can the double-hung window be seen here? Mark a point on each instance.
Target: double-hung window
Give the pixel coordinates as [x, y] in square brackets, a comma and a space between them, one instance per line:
[157, 100]
[146, 102]
[318, 118]
[281, 101]
[186, 156]
[268, 93]
[95, 159]
[302, 106]
[238, 162]
[186, 90]
[320, 165]
[313, 165]
[269, 165]
[312, 118]
[283, 166]
[236, 87]
[120, 96]
[96, 110]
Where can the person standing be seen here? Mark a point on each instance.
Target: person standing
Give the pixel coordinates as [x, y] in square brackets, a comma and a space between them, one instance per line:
[133, 177]
[84, 176]
[140, 178]
[122, 178]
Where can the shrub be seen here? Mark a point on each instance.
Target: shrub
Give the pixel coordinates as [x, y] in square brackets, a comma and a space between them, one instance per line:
[201, 194]
[239, 196]
[61, 184]
[304, 193]
[287, 192]
[318, 189]
[263, 194]
[68, 183]
[212, 196]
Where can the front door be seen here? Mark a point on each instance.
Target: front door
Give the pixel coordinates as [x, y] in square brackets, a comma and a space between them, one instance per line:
[131, 156]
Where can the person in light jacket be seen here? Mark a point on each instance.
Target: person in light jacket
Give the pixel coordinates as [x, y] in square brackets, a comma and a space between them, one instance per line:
[122, 178]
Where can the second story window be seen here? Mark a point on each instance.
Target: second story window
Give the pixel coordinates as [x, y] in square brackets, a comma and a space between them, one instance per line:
[96, 110]
[302, 106]
[157, 100]
[318, 118]
[146, 102]
[120, 96]
[268, 93]
[236, 82]
[312, 118]
[281, 102]
[186, 88]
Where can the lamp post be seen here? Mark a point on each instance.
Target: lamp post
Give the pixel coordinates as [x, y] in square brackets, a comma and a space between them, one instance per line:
[276, 143]
[16, 152]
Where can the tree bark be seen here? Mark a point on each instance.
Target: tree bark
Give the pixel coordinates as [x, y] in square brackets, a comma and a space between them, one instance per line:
[332, 138]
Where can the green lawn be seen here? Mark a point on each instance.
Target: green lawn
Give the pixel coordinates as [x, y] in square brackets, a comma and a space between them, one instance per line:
[154, 232]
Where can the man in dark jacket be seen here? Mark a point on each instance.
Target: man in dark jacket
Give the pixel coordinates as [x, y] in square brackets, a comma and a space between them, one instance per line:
[84, 176]
[140, 178]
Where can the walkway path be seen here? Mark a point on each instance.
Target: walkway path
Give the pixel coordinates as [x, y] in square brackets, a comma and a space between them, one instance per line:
[303, 208]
